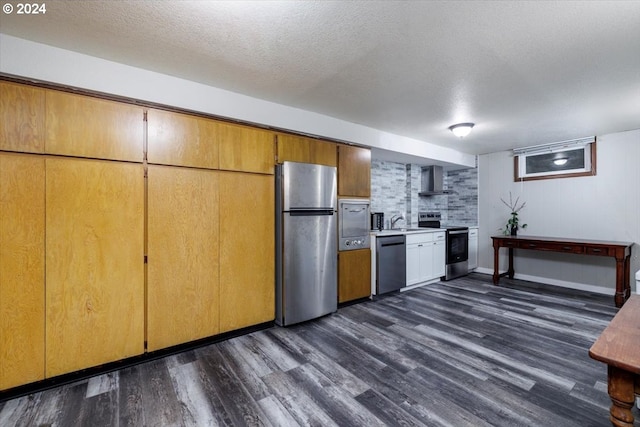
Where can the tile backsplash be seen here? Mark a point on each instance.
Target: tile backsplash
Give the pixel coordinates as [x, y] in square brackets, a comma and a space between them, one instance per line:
[395, 188]
[462, 203]
[388, 189]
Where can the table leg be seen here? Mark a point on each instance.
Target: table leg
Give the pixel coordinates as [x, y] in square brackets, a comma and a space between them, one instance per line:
[627, 273]
[496, 262]
[511, 271]
[621, 392]
[622, 293]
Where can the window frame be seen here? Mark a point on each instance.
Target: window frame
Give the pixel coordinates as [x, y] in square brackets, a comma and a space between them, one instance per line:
[520, 157]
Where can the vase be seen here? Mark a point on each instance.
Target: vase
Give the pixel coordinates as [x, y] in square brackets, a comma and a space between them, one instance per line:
[514, 231]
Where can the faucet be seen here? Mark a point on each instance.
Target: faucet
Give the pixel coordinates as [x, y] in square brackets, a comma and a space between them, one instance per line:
[395, 219]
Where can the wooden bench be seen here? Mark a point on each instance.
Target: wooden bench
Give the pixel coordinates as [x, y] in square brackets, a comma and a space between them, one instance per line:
[619, 347]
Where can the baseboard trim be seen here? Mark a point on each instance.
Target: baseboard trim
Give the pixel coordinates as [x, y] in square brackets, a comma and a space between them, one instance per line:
[555, 282]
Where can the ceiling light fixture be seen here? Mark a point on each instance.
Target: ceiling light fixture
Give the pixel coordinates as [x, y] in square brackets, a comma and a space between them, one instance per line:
[560, 161]
[461, 129]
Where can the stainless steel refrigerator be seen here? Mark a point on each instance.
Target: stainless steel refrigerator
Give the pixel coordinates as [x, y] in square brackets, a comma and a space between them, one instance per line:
[306, 242]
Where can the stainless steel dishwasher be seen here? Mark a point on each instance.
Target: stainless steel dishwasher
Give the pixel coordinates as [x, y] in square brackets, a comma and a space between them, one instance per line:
[391, 270]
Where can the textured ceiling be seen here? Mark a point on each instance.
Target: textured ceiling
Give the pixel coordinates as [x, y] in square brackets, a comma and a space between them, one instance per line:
[526, 73]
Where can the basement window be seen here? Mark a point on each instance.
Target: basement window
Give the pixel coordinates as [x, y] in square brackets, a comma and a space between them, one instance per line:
[558, 160]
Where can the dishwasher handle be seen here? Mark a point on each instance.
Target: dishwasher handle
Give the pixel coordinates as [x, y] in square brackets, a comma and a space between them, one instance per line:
[391, 240]
[391, 244]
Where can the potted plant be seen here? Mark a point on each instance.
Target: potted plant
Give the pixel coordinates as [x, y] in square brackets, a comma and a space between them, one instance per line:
[513, 223]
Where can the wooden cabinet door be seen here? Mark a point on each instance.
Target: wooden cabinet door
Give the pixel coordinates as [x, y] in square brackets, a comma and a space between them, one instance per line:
[323, 153]
[246, 149]
[293, 149]
[94, 263]
[82, 126]
[354, 171]
[21, 269]
[21, 118]
[306, 150]
[247, 250]
[181, 140]
[354, 275]
[182, 271]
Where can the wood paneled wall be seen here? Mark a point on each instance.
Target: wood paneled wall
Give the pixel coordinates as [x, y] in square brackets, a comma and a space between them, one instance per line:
[88, 196]
[91, 189]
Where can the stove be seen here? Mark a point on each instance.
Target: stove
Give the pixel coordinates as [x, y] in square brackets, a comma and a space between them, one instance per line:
[457, 244]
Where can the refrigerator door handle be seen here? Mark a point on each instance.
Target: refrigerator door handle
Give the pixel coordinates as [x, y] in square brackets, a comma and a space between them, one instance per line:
[309, 212]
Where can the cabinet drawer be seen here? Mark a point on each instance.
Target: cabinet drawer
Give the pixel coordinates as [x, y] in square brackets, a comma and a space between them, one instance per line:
[599, 250]
[569, 248]
[419, 238]
[473, 232]
[555, 247]
[510, 244]
[439, 236]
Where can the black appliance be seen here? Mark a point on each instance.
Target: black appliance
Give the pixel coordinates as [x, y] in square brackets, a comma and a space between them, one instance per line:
[377, 221]
[457, 244]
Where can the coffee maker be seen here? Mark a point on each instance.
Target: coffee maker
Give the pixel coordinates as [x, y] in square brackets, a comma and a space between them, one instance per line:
[377, 221]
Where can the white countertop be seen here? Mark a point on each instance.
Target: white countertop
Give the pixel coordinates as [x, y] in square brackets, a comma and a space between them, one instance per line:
[398, 231]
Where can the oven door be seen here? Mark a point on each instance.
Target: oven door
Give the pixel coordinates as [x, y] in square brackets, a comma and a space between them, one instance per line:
[354, 224]
[457, 246]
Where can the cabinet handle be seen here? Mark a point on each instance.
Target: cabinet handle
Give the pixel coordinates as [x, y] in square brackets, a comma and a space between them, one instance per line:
[567, 248]
[596, 250]
[532, 245]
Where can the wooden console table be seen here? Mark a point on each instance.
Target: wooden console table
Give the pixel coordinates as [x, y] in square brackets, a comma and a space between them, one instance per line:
[621, 251]
[619, 347]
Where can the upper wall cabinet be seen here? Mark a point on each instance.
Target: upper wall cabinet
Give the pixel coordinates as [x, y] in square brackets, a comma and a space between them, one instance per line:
[21, 118]
[182, 140]
[354, 171]
[306, 150]
[82, 126]
[246, 149]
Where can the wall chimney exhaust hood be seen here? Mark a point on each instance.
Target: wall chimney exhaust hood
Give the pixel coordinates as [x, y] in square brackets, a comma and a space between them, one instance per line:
[432, 181]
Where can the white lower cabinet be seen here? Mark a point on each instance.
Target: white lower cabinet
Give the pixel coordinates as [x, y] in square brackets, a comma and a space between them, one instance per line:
[413, 264]
[473, 248]
[425, 257]
[439, 254]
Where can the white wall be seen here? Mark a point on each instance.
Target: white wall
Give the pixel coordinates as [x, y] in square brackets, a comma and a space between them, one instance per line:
[602, 207]
[27, 59]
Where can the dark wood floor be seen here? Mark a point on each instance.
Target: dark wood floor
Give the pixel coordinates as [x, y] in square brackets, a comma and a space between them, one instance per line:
[458, 353]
